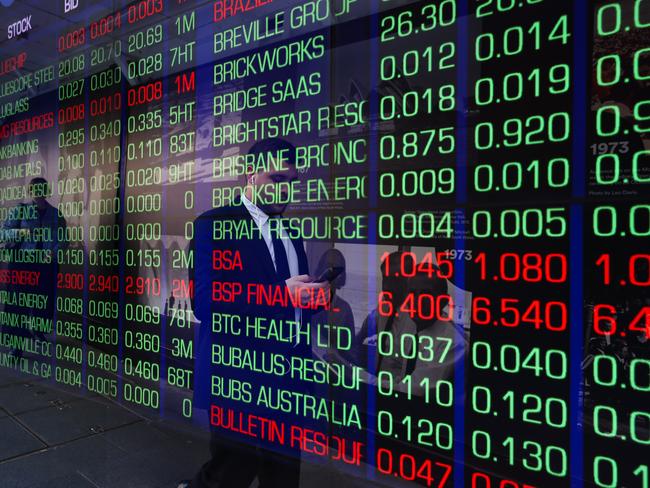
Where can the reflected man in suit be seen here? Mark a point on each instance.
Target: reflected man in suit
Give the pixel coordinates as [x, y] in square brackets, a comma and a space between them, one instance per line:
[271, 258]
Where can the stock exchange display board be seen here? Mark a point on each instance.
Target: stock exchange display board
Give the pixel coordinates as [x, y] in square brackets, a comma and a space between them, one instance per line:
[404, 239]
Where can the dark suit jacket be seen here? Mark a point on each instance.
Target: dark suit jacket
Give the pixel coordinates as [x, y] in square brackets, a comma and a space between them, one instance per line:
[257, 267]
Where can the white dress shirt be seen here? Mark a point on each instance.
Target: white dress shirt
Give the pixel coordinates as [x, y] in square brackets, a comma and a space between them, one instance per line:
[261, 219]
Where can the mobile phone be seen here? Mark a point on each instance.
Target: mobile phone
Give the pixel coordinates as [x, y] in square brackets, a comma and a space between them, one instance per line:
[329, 274]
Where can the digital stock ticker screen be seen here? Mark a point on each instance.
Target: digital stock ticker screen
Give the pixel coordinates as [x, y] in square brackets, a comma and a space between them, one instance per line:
[348, 242]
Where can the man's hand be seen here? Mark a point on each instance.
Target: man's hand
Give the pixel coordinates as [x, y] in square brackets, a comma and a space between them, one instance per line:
[305, 284]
